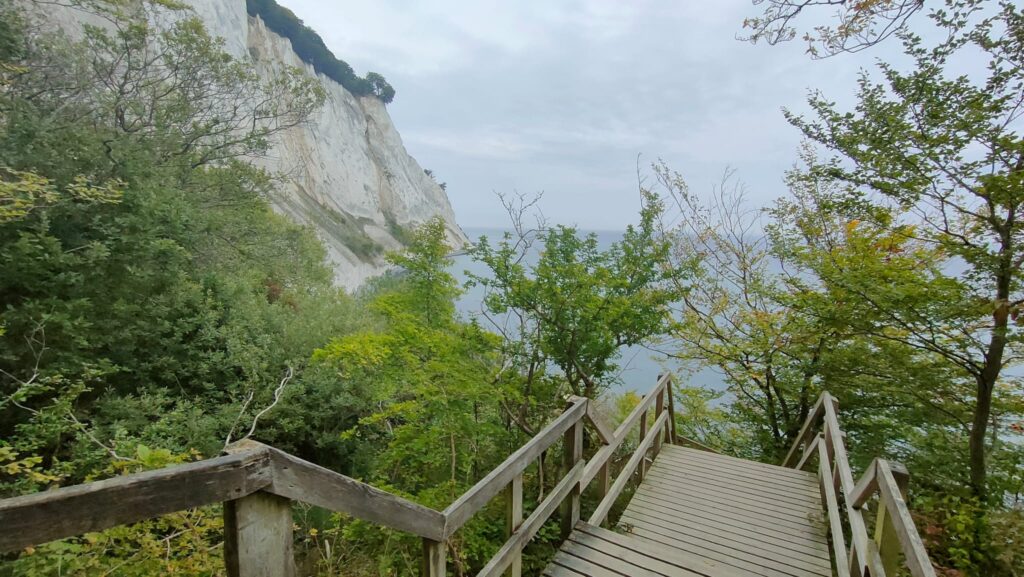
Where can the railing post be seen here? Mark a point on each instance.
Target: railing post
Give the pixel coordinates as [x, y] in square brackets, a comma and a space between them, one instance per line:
[670, 430]
[258, 536]
[513, 520]
[886, 538]
[659, 408]
[642, 469]
[572, 453]
[433, 559]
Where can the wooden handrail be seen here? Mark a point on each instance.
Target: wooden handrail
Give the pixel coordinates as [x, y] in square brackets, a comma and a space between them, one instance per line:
[257, 484]
[495, 482]
[599, 515]
[895, 531]
[604, 454]
[41, 517]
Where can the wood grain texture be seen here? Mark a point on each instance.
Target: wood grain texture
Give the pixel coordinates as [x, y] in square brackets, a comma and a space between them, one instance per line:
[258, 536]
[303, 481]
[41, 517]
[724, 509]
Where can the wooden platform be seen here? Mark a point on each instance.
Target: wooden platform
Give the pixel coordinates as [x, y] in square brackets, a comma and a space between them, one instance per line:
[698, 513]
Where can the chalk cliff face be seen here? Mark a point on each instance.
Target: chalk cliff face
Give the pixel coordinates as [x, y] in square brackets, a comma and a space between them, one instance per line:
[346, 172]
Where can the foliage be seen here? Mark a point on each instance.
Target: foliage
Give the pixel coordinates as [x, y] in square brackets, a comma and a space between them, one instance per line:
[579, 304]
[946, 148]
[312, 50]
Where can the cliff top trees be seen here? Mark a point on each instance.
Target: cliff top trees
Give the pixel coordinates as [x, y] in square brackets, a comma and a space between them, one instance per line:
[311, 49]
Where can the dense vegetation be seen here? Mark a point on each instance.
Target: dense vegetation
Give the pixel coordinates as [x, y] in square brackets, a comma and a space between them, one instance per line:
[312, 50]
[153, 308]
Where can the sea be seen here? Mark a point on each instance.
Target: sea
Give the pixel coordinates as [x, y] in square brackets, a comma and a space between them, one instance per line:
[639, 366]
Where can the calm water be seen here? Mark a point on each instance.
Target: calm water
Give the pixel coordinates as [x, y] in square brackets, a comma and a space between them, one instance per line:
[639, 367]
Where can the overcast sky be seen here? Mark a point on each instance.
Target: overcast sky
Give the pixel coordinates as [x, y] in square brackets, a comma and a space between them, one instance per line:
[560, 97]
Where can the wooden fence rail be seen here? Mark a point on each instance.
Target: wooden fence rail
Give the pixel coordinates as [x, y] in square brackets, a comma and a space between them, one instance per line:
[895, 532]
[257, 484]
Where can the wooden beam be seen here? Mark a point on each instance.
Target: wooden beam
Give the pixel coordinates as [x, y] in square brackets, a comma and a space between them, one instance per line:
[501, 560]
[862, 555]
[603, 430]
[865, 487]
[303, 481]
[434, 555]
[811, 451]
[914, 552]
[835, 520]
[606, 504]
[495, 482]
[805, 432]
[41, 517]
[572, 454]
[605, 453]
[258, 536]
[673, 436]
[659, 408]
[513, 521]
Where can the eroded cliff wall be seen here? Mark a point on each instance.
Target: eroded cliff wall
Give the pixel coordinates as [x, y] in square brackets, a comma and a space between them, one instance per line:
[346, 172]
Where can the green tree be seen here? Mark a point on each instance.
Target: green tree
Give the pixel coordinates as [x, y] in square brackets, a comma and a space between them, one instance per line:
[946, 148]
[578, 305]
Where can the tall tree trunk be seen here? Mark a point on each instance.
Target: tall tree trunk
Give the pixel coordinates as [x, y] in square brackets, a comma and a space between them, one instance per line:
[986, 378]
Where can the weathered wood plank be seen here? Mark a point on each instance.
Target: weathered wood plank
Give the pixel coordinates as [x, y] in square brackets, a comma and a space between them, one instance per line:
[914, 552]
[572, 453]
[832, 506]
[659, 408]
[608, 561]
[583, 566]
[495, 482]
[258, 536]
[734, 500]
[553, 570]
[742, 488]
[738, 561]
[606, 504]
[865, 487]
[630, 556]
[673, 437]
[729, 514]
[861, 555]
[41, 517]
[503, 558]
[774, 539]
[303, 481]
[514, 520]
[728, 461]
[800, 488]
[745, 549]
[675, 558]
[433, 562]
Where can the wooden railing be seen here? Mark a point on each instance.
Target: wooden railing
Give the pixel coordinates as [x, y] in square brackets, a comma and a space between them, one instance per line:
[257, 484]
[896, 541]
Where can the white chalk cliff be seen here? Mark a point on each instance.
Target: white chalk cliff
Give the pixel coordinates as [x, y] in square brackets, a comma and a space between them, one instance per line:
[346, 172]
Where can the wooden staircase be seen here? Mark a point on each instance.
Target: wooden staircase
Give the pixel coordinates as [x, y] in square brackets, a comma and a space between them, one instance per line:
[713, 515]
[692, 513]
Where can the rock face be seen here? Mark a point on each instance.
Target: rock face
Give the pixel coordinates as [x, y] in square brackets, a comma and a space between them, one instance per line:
[346, 173]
